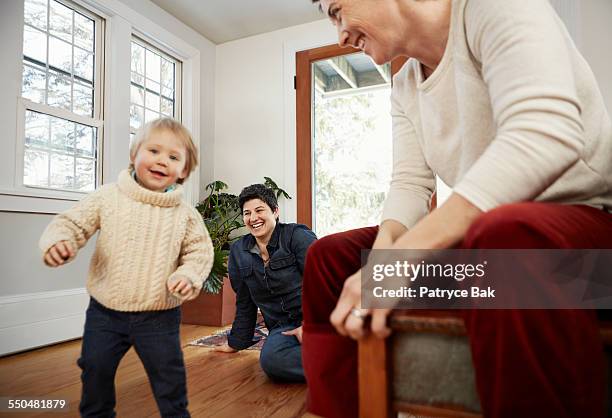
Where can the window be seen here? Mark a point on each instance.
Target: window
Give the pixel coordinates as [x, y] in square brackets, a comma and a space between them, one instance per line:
[344, 140]
[61, 91]
[154, 85]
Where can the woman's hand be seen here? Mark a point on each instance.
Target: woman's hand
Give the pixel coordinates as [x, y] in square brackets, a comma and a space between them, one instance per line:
[348, 317]
[297, 332]
[59, 254]
[443, 228]
[225, 348]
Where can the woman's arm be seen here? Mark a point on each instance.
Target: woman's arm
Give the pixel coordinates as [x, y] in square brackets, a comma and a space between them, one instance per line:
[526, 65]
[301, 239]
[388, 232]
[445, 227]
[243, 327]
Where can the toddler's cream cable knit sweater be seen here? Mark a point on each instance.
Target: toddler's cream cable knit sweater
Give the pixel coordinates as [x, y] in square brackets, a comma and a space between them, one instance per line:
[146, 238]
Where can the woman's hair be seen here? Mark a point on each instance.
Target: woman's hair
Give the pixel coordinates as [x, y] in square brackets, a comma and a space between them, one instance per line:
[258, 191]
[174, 127]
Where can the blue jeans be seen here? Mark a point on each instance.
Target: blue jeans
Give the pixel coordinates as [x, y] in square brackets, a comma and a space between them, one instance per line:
[281, 356]
[155, 336]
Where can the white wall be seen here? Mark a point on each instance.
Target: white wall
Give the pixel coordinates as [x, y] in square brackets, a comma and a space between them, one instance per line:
[255, 107]
[38, 305]
[596, 42]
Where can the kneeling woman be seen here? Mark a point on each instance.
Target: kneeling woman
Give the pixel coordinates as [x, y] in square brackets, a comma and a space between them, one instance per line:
[265, 269]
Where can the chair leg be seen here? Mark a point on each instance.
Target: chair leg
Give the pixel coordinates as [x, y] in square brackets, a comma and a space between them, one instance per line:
[374, 378]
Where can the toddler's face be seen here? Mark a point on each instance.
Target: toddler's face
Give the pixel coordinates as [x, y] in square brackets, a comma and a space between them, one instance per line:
[160, 161]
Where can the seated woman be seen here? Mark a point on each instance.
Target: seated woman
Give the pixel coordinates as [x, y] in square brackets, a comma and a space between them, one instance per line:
[498, 102]
[265, 269]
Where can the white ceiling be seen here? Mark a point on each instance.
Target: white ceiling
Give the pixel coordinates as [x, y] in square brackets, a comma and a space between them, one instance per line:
[225, 20]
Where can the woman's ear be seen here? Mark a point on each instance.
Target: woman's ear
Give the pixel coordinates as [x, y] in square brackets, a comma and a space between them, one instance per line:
[276, 213]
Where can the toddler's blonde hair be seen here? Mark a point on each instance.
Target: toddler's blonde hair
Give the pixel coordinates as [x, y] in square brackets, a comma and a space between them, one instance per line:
[175, 128]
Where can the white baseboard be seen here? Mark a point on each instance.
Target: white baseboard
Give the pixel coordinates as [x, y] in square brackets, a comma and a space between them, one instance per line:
[36, 319]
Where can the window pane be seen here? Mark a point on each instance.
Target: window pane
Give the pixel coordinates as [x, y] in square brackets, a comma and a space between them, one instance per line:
[158, 95]
[137, 95]
[85, 137]
[36, 129]
[83, 64]
[36, 168]
[151, 115]
[62, 171]
[33, 86]
[152, 101]
[35, 13]
[62, 135]
[137, 79]
[34, 44]
[83, 100]
[60, 21]
[352, 146]
[168, 93]
[59, 153]
[167, 73]
[153, 86]
[83, 32]
[60, 54]
[86, 174]
[59, 91]
[138, 58]
[167, 107]
[152, 64]
[136, 116]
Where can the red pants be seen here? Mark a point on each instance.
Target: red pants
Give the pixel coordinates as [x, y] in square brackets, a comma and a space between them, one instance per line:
[528, 363]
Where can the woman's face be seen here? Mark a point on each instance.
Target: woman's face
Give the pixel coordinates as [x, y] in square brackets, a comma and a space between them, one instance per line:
[259, 219]
[364, 25]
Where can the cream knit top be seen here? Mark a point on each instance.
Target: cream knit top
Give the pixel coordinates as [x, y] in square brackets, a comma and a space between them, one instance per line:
[512, 113]
[145, 239]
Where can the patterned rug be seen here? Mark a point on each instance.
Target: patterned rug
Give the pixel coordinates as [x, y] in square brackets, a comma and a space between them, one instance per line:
[220, 337]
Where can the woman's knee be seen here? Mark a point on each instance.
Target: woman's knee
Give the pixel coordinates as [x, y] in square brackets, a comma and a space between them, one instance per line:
[515, 225]
[326, 247]
[280, 366]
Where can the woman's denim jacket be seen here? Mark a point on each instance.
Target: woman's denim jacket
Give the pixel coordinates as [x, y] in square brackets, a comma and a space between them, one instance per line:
[275, 289]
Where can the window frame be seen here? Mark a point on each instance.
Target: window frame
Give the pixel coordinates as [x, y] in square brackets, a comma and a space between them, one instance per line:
[96, 121]
[304, 121]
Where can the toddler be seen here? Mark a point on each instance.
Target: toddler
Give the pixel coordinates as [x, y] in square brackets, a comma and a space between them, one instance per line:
[152, 253]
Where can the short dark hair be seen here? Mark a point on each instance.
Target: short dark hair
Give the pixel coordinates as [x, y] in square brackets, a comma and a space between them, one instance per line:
[258, 191]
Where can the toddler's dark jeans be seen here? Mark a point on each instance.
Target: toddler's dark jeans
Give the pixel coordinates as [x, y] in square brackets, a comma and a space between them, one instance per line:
[155, 336]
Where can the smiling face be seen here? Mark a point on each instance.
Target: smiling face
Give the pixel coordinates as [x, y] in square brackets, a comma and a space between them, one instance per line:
[365, 25]
[259, 218]
[160, 160]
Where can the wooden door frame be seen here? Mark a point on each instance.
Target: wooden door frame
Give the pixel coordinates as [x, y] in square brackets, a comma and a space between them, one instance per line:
[303, 120]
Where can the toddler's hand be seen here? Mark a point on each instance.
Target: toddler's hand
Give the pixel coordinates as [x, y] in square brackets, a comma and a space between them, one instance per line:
[181, 287]
[59, 254]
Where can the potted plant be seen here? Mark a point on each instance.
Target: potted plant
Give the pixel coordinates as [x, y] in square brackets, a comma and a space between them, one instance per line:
[216, 304]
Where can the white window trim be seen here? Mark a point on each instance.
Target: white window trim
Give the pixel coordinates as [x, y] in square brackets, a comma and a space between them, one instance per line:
[113, 152]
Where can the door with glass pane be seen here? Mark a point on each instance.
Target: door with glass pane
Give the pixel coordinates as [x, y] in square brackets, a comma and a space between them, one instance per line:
[344, 139]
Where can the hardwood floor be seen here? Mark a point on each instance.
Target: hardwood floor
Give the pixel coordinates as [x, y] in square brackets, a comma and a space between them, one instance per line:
[219, 384]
